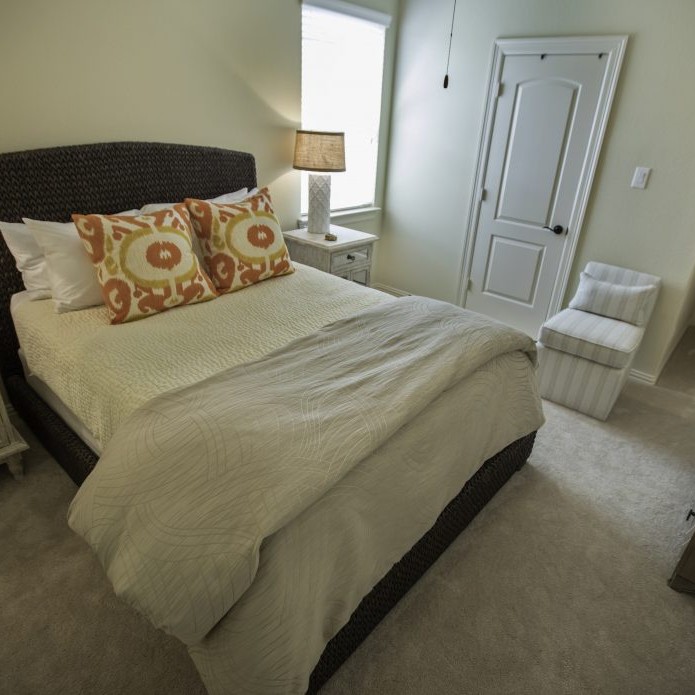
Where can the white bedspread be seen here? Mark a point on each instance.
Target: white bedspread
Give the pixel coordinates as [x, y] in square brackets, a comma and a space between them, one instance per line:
[103, 372]
[314, 572]
[195, 482]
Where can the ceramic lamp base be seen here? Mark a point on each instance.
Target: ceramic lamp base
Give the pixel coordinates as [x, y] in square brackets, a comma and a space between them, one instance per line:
[319, 221]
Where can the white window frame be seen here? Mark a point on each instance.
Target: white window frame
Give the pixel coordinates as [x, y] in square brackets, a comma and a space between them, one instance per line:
[366, 210]
[343, 7]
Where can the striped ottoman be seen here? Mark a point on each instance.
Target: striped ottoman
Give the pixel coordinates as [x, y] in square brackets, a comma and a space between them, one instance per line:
[585, 351]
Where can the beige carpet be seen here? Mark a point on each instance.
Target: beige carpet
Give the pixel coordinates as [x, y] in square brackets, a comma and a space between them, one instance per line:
[559, 585]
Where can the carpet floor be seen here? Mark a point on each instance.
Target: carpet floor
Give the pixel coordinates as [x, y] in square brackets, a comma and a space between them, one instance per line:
[558, 586]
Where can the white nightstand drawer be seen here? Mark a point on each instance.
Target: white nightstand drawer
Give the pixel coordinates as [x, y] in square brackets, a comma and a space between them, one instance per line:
[345, 259]
[360, 276]
[349, 256]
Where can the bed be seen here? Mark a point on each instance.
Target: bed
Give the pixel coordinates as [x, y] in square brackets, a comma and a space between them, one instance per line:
[53, 183]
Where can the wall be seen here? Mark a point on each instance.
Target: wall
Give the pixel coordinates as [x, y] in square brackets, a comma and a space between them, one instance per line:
[687, 317]
[225, 73]
[434, 141]
[211, 72]
[214, 72]
[689, 307]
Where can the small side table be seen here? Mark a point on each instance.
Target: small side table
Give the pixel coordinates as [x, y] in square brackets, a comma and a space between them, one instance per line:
[11, 444]
[350, 257]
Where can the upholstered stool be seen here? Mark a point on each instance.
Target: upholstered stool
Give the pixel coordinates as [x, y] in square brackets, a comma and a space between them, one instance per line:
[586, 350]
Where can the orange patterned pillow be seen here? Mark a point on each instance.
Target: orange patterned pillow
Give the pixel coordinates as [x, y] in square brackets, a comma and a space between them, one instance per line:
[242, 242]
[145, 264]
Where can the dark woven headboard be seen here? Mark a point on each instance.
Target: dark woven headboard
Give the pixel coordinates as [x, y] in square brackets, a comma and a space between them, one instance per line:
[53, 183]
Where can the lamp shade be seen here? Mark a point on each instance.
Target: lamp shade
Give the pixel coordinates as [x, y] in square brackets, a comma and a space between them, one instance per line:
[319, 151]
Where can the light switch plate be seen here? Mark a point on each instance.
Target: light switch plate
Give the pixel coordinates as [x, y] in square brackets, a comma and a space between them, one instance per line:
[640, 177]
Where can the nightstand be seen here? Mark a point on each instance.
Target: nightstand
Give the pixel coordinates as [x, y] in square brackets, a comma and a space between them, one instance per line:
[11, 444]
[349, 257]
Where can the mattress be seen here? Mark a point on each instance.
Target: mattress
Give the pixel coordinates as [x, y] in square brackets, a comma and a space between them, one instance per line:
[101, 373]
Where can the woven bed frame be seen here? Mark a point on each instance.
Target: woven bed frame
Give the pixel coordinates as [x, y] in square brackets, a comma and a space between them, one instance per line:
[53, 183]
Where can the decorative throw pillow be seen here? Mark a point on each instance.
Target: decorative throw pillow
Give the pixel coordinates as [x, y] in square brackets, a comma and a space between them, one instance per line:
[621, 302]
[234, 197]
[28, 256]
[242, 242]
[145, 264]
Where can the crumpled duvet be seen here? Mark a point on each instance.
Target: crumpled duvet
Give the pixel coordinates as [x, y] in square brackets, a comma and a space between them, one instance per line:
[194, 481]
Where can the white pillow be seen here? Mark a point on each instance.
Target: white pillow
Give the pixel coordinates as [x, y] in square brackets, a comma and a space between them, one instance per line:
[29, 258]
[54, 260]
[621, 302]
[234, 197]
[73, 278]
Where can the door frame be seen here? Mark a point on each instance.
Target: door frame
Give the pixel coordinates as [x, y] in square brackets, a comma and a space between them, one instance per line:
[613, 48]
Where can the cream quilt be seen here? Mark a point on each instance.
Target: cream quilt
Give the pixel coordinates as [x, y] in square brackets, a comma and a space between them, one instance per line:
[197, 485]
[102, 373]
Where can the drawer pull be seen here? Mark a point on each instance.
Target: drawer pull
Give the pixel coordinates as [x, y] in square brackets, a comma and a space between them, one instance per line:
[350, 258]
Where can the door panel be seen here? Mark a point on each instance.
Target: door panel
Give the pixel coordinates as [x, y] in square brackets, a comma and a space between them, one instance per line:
[540, 129]
[543, 123]
[513, 269]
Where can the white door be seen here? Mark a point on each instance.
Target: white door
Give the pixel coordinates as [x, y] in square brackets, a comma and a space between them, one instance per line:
[547, 112]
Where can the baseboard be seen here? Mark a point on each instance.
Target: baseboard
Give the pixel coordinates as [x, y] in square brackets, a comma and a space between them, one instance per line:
[390, 290]
[643, 377]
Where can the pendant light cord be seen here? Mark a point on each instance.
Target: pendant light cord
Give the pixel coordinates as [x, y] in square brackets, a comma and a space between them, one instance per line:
[448, 57]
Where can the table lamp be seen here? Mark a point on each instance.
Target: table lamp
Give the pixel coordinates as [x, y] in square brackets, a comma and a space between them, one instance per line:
[323, 152]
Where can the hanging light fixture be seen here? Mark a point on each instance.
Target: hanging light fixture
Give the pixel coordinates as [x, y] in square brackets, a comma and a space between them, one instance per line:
[451, 36]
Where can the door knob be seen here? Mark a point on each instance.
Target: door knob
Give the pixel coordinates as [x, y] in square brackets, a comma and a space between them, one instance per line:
[557, 229]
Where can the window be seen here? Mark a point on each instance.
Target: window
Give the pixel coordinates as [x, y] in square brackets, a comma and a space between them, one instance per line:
[342, 69]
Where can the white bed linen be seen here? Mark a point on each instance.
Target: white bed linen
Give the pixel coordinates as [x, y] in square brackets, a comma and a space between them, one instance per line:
[194, 482]
[314, 572]
[45, 392]
[101, 373]
[270, 639]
